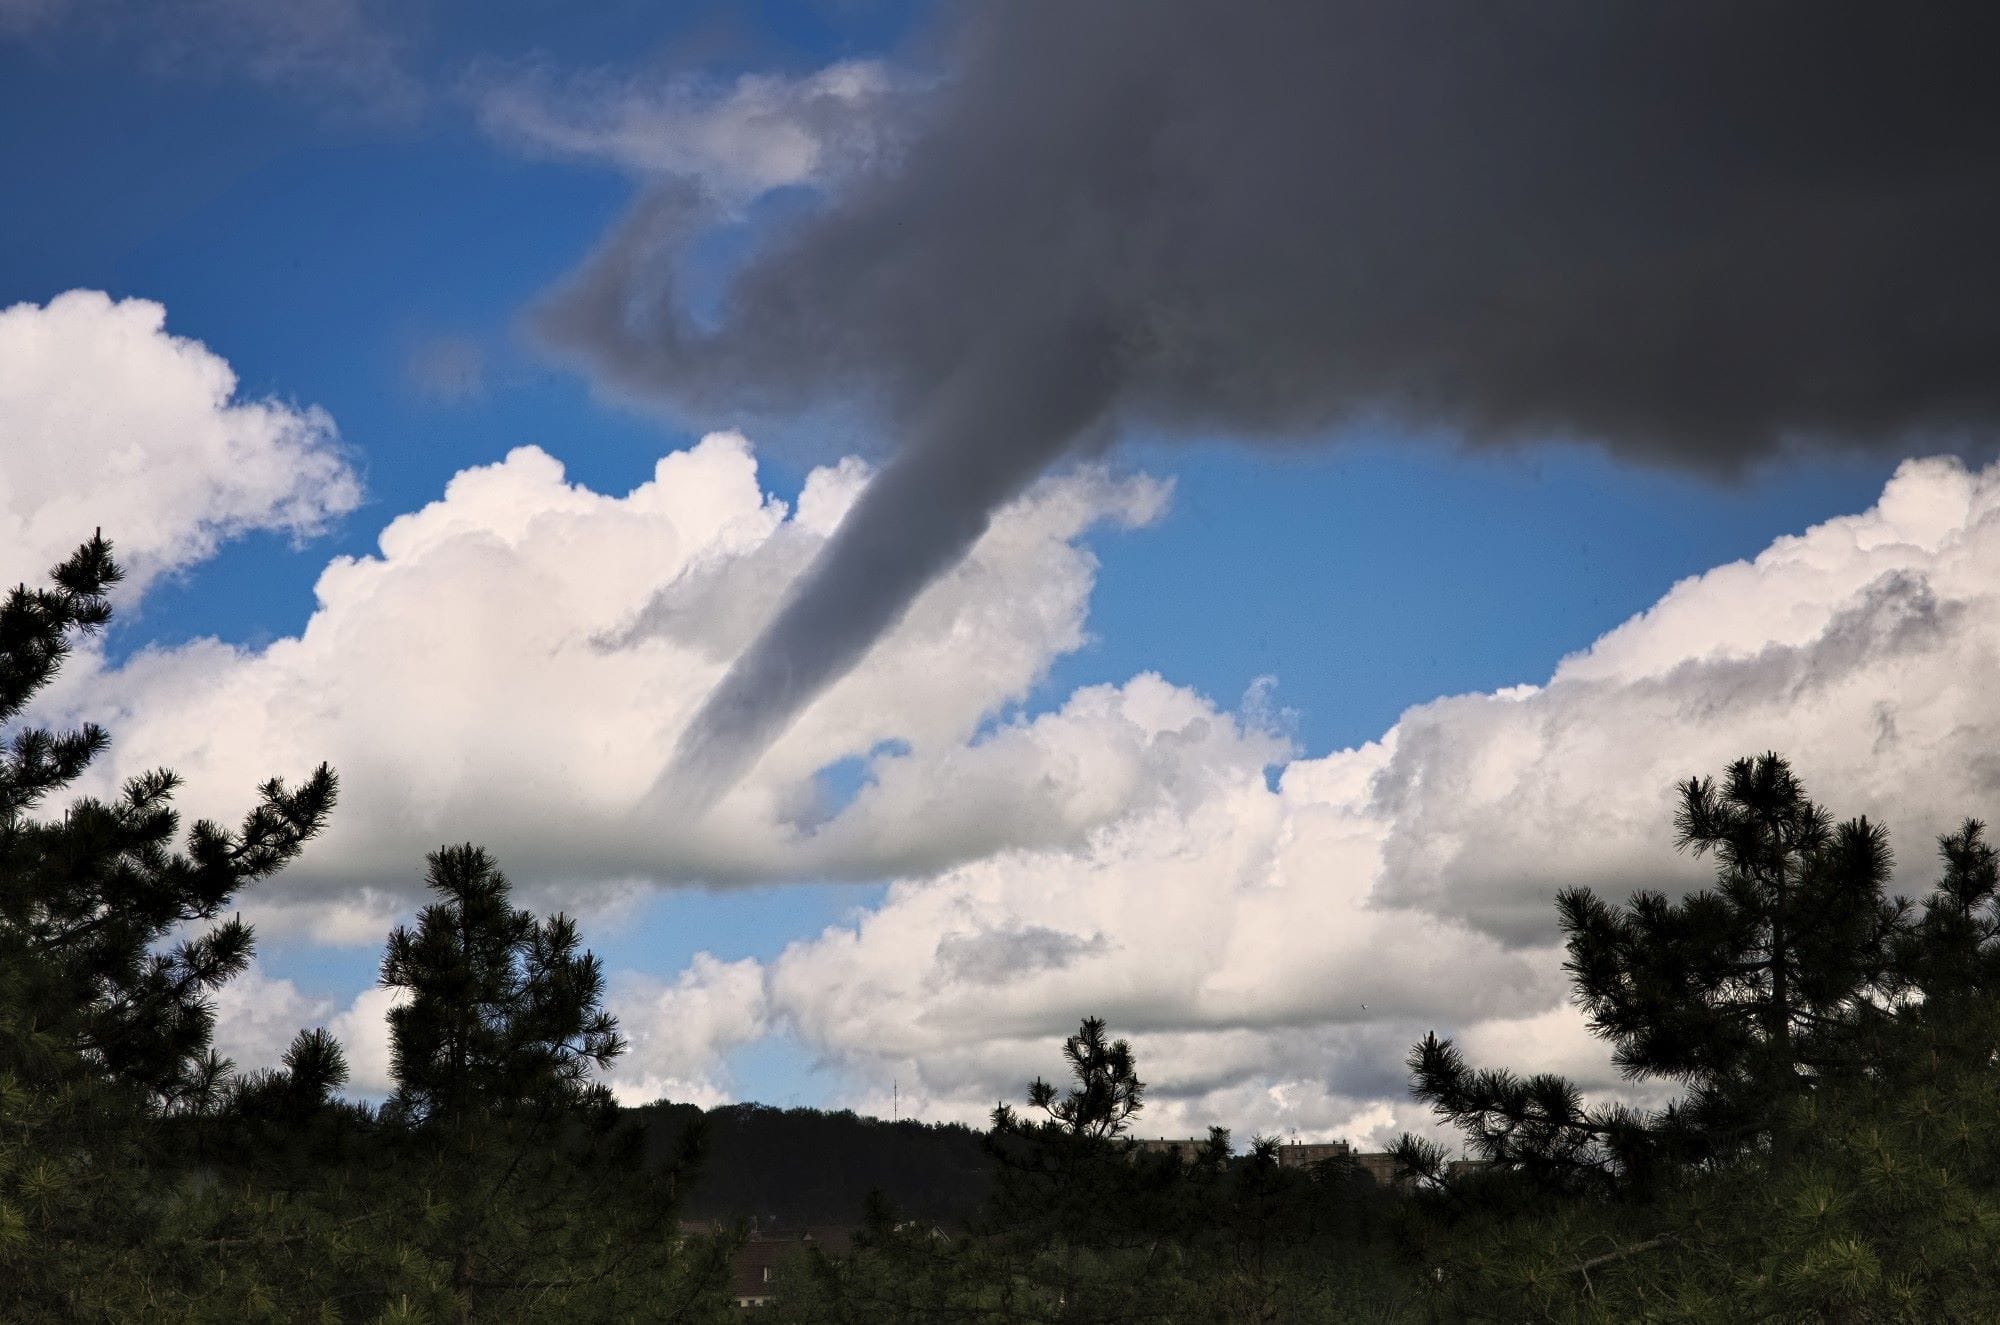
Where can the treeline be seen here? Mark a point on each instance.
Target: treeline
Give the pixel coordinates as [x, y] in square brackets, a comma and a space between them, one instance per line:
[789, 1168]
[1831, 1151]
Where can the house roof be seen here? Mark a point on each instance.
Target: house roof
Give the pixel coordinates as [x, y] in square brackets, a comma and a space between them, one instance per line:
[762, 1255]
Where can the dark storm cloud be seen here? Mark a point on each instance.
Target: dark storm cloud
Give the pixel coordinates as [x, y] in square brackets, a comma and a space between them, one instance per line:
[1693, 233]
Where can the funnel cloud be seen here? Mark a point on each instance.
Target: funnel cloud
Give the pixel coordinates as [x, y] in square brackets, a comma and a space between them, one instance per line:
[1703, 234]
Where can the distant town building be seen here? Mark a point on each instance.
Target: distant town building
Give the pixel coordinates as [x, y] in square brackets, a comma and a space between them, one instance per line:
[1187, 1147]
[1298, 1156]
[1378, 1165]
[757, 1269]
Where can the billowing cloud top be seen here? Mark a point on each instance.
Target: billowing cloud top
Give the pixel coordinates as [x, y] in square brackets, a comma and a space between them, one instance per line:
[1277, 949]
[525, 643]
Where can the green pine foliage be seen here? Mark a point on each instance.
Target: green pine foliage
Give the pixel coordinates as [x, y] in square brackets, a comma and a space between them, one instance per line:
[1745, 994]
[111, 947]
[1836, 1154]
[1950, 957]
[1884, 1205]
[1084, 1225]
[143, 1177]
[89, 900]
[516, 1190]
[503, 1012]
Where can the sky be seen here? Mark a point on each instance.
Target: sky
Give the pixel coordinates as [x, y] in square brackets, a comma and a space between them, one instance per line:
[1247, 704]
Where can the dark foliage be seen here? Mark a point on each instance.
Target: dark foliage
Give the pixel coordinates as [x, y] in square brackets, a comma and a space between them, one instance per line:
[1083, 1225]
[1951, 956]
[518, 1177]
[142, 1177]
[107, 972]
[794, 1167]
[503, 1011]
[87, 899]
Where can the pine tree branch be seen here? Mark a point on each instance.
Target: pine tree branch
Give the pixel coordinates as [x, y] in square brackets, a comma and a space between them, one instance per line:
[1621, 1253]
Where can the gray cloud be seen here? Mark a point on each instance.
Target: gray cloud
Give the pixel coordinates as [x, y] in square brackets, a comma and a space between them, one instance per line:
[1694, 233]
[737, 139]
[996, 956]
[351, 56]
[450, 370]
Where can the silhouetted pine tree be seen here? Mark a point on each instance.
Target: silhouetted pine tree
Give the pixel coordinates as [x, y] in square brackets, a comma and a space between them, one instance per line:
[503, 1011]
[104, 1026]
[1107, 1090]
[1744, 994]
[313, 1070]
[1082, 1225]
[534, 1195]
[1068, 1199]
[1951, 956]
[86, 898]
[1884, 1205]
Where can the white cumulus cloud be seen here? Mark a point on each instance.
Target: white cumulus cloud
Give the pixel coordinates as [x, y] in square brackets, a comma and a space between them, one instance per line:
[515, 662]
[515, 665]
[257, 1015]
[363, 1031]
[108, 420]
[1273, 952]
[680, 1031]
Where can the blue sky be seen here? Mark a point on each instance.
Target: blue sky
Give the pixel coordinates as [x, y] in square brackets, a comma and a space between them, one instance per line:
[326, 246]
[319, 249]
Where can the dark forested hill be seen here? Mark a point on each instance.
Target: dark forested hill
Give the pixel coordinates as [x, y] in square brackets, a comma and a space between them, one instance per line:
[800, 1166]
